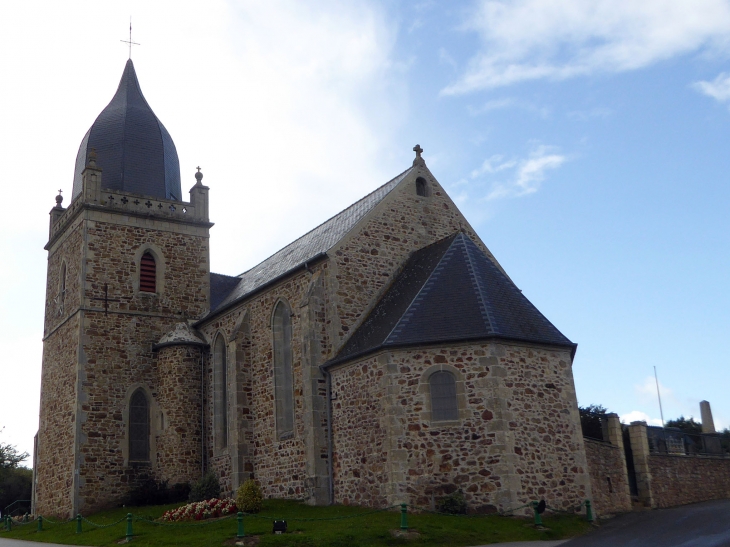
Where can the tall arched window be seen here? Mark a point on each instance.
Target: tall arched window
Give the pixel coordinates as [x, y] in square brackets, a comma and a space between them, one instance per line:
[421, 188]
[147, 273]
[220, 392]
[283, 375]
[61, 298]
[444, 405]
[139, 427]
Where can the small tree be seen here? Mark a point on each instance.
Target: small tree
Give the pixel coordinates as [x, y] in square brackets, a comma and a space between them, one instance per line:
[687, 426]
[249, 498]
[208, 487]
[591, 420]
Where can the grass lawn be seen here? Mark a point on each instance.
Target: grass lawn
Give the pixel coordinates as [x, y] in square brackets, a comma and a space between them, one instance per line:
[363, 530]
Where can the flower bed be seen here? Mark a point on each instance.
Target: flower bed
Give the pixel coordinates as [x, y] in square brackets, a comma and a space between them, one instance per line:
[201, 510]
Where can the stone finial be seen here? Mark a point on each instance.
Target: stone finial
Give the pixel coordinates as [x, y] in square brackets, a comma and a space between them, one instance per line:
[708, 424]
[199, 177]
[418, 159]
[92, 159]
[59, 198]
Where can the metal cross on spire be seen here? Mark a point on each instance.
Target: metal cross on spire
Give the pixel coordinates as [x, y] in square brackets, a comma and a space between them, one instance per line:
[130, 39]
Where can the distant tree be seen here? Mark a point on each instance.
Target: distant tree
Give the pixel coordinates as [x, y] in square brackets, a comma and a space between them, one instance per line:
[14, 480]
[17, 484]
[688, 426]
[591, 420]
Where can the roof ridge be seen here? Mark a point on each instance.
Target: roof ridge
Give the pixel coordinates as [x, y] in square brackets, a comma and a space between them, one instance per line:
[326, 221]
[486, 312]
[432, 278]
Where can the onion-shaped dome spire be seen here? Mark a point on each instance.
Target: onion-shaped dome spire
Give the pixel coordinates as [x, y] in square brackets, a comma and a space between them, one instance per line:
[133, 148]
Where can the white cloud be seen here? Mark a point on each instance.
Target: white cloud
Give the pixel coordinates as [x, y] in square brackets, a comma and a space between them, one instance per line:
[557, 39]
[638, 416]
[718, 89]
[528, 173]
[290, 107]
[508, 102]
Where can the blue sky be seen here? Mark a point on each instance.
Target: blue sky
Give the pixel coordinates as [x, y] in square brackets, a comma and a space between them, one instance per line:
[585, 141]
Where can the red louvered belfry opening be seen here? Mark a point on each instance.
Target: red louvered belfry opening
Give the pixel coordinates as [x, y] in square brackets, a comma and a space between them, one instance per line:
[147, 273]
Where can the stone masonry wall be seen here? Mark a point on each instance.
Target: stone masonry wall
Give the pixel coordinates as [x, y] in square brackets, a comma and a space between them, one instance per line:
[179, 451]
[360, 433]
[280, 466]
[677, 480]
[56, 432]
[517, 438]
[607, 467]
[366, 261]
[117, 355]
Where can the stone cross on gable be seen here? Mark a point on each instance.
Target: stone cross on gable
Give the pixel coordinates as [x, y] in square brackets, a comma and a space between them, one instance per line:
[418, 150]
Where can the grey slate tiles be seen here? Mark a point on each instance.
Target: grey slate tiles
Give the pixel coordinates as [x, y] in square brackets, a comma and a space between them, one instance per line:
[134, 150]
[447, 292]
[308, 247]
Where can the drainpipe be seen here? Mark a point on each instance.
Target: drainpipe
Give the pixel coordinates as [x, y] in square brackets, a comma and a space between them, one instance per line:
[330, 467]
[202, 412]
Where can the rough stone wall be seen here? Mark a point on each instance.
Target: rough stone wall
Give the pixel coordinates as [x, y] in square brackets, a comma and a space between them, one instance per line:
[62, 304]
[280, 465]
[179, 450]
[365, 263]
[56, 432]
[360, 433]
[677, 480]
[607, 464]
[517, 438]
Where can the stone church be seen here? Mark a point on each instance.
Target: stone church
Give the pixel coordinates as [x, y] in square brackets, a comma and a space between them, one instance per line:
[383, 357]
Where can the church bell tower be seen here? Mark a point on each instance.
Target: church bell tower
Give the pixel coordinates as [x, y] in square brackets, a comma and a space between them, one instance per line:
[128, 263]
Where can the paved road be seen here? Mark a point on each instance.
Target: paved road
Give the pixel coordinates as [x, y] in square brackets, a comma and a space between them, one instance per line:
[704, 524]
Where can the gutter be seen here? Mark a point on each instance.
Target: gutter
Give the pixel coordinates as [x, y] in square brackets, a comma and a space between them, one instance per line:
[330, 465]
[383, 347]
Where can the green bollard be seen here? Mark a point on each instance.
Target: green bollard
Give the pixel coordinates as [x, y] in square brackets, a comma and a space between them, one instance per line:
[40, 524]
[239, 518]
[404, 517]
[129, 527]
[9, 523]
[589, 511]
[538, 518]
[78, 523]
[25, 517]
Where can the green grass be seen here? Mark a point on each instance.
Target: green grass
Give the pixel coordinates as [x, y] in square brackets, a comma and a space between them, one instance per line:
[366, 530]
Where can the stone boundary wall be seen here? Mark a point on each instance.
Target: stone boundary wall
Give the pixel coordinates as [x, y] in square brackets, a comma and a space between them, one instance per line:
[678, 480]
[607, 467]
[668, 480]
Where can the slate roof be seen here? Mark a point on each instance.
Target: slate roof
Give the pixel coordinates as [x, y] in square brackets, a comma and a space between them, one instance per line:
[134, 150]
[220, 287]
[450, 291]
[307, 248]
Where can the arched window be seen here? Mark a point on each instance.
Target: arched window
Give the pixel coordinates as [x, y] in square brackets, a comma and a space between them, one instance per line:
[62, 285]
[147, 273]
[61, 298]
[421, 188]
[220, 392]
[139, 427]
[444, 405]
[283, 376]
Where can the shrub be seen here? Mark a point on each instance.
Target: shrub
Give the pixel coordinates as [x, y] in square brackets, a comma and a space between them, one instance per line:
[206, 488]
[248, 497]
[453, 504]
